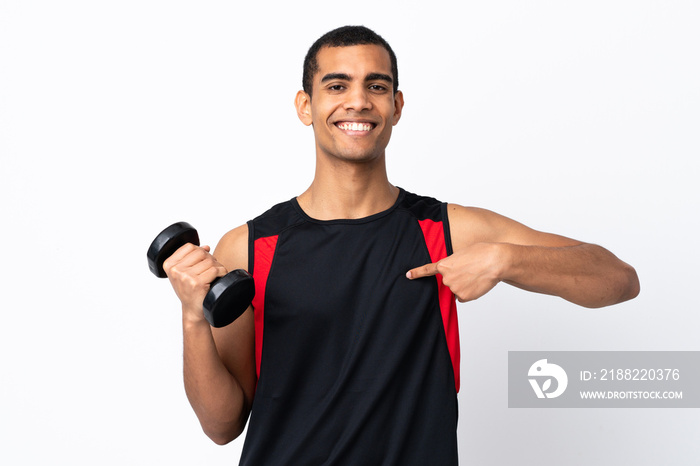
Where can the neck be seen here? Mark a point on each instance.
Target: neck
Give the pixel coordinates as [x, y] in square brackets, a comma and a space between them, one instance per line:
[348, 190]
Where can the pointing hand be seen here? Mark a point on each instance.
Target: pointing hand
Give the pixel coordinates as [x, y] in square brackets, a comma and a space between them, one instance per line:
[469, 273]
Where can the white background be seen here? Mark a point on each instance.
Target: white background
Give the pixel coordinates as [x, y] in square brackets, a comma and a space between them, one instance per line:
[119, 118]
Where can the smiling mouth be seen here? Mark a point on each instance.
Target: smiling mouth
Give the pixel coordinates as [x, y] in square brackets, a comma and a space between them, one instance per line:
[355, 126]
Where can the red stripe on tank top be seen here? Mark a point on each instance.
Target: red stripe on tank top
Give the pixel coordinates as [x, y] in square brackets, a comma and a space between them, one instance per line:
[435, 240]
[262, 262]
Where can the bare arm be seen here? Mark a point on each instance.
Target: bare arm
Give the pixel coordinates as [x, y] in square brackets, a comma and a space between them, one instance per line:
[489, 248]
[219, 367]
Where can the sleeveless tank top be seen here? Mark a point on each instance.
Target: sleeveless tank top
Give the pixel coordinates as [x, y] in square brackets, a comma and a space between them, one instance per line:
[357, 365]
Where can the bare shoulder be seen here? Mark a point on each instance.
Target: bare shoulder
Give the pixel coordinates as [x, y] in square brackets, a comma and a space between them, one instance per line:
[476, 225]
[474, 217]
[232, 250]
[469, 225]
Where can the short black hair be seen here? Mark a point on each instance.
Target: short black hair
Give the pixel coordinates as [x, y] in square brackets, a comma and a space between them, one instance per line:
[344, 37]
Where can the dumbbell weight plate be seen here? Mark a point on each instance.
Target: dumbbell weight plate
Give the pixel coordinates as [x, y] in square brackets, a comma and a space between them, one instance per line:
[167, 242]
[228, 297]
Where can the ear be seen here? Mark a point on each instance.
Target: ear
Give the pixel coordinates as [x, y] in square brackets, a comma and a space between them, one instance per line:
[302, 102]
[398, 107]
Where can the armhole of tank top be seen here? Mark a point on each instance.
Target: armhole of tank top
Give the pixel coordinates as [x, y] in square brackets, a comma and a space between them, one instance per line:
[251, 247]
[446, 228]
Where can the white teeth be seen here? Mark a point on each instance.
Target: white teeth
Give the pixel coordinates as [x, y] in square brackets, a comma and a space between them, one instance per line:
[355, 126]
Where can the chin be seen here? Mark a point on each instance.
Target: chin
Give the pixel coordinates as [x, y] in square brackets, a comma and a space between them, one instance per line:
[358, 157]
[351, 153]
[360, 154]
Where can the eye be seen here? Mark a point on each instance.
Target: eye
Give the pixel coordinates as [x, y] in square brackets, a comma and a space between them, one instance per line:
[336, 87]
[377, 88]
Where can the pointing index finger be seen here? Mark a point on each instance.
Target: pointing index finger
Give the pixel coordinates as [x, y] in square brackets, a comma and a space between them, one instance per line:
[426, 270]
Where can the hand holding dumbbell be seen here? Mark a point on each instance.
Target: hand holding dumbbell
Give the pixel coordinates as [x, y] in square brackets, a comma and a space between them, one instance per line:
[228, 296]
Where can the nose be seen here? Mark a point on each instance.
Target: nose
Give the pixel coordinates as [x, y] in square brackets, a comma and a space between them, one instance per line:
[357, 99]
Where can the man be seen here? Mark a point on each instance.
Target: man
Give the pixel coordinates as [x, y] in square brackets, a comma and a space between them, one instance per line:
[349, 353]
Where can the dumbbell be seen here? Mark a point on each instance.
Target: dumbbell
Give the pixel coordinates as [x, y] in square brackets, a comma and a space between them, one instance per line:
[228, 296]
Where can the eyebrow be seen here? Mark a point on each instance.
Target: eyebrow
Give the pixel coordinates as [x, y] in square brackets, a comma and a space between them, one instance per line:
[347, 77]
[379, 76]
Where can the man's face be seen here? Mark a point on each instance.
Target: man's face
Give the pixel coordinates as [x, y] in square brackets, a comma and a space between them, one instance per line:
[353, 107]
